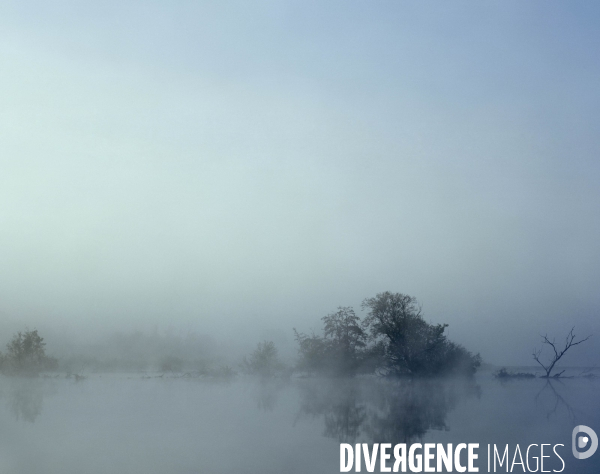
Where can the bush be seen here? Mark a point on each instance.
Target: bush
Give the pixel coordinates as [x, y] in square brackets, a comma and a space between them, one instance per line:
[341, 351]
[505, 374]
[171, 364]
[314, 353]
[26, 354]
[263, 361]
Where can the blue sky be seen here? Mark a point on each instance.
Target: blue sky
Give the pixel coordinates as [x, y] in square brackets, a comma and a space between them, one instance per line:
[218, 165]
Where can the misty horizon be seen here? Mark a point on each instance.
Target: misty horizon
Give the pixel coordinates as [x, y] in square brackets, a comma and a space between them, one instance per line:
[242, 180]
[253, 236]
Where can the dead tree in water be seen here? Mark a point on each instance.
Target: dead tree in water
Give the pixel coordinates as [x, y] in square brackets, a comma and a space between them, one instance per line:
[569, 342]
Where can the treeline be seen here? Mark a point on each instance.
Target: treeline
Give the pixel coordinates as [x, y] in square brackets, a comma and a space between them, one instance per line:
[141, 352]
[393, 339]
[134, 352]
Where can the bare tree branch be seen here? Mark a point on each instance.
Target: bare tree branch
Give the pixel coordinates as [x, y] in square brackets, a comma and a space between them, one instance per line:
[569, 342]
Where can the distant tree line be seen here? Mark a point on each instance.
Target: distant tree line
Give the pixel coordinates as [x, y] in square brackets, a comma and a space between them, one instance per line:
[392, 339]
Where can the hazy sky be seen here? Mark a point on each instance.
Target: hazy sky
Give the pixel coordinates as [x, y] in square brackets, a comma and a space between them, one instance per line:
[242, 168]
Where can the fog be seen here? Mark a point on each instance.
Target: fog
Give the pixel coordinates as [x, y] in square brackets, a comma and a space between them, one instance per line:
[235, 171]
[187, 425]
[213, 217]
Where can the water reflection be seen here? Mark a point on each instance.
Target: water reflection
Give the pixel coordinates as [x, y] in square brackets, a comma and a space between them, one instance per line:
[267, 393]
[548, 395]
[550, 400]
[25, 399]
[376, 410]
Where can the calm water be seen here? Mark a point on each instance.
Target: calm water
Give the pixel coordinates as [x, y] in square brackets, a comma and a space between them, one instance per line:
[130, 424]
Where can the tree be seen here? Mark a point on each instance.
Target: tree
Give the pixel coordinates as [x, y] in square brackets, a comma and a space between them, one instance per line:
[343, 327]
[263, 361]
[346, 338]
[569, 342]
[341, 349]
[313, 351]
[412, 345]
[26, 353]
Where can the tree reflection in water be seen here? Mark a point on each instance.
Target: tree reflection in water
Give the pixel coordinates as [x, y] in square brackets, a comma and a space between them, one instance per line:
[382, 410]
[267, 393]
[25, 398]
[550, 400]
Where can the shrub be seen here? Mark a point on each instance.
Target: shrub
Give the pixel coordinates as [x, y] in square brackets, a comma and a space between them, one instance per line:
[26, 354]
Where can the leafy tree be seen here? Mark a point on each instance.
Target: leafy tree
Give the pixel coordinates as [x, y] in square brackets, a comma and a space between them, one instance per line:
[341, 349]
[26, 353]
[412, 345]
[346, 339]
[263, 361]
[313, 351]
[343, 328]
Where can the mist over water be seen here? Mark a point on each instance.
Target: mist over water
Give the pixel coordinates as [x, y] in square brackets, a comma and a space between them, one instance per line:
[203, 206]
[157, 424]
[239, 180]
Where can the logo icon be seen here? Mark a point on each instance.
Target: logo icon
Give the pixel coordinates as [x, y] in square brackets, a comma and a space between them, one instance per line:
[582, 435]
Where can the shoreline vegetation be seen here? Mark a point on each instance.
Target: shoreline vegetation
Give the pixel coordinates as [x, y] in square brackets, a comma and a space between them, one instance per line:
[392, 340]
